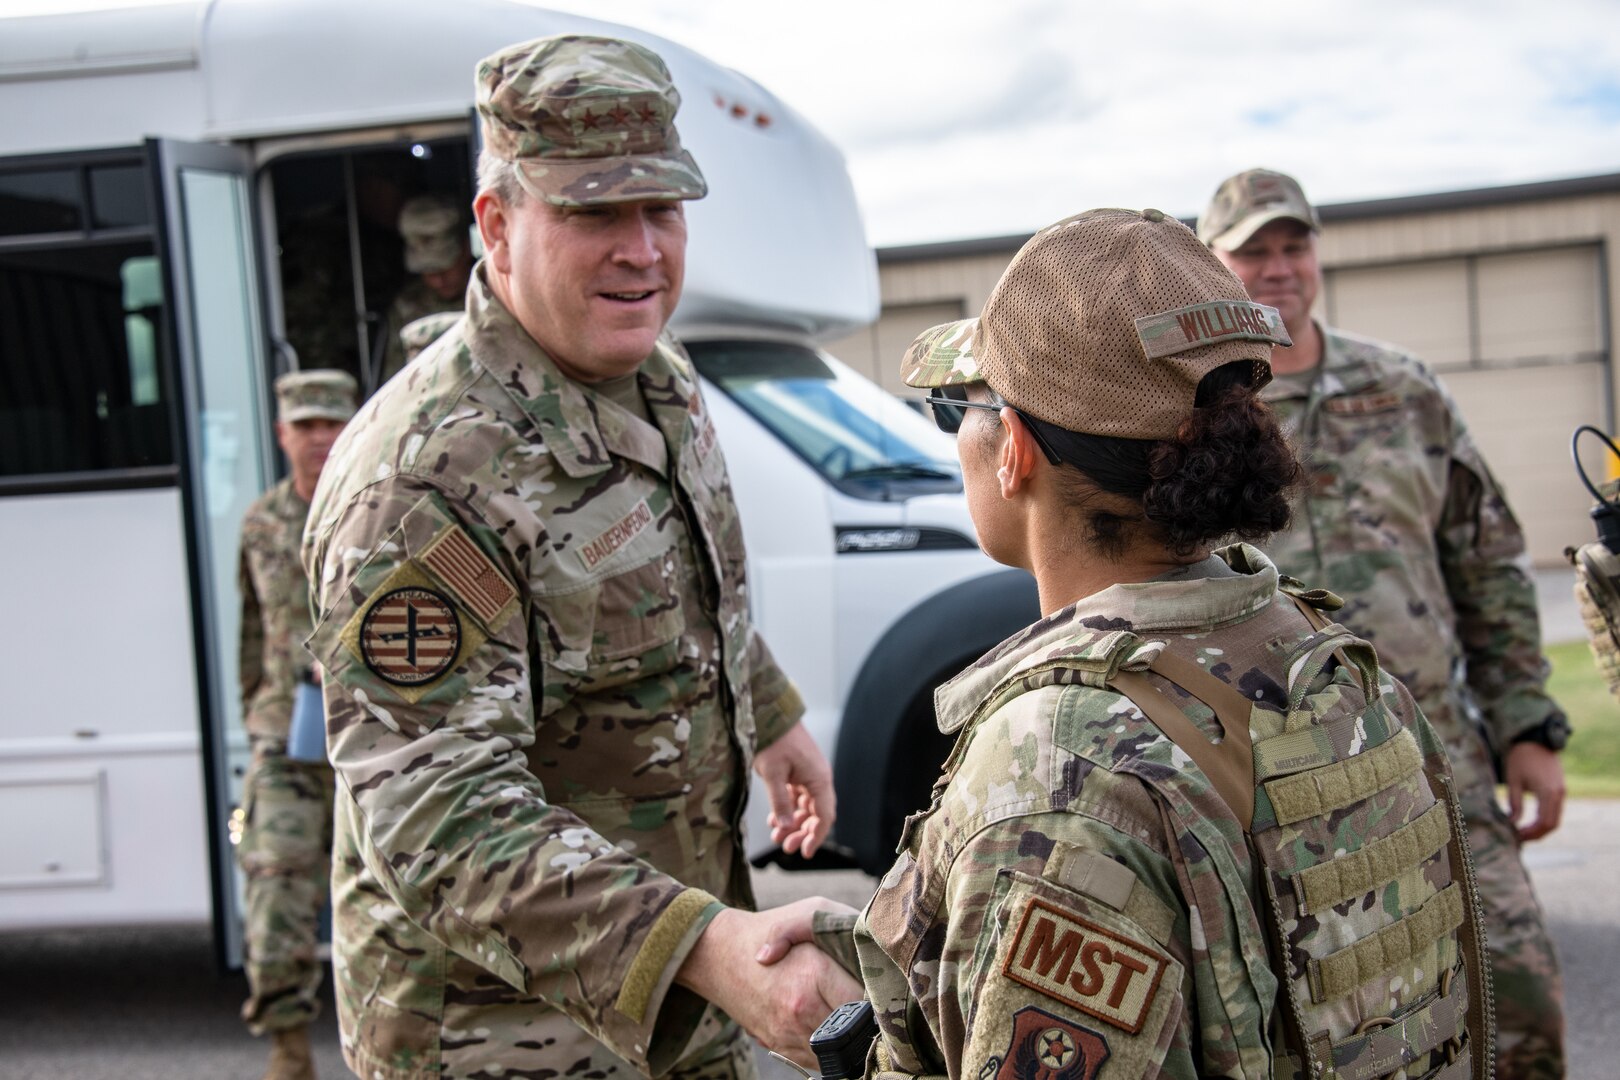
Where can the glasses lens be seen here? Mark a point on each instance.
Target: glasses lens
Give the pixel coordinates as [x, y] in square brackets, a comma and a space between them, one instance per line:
[947, 414]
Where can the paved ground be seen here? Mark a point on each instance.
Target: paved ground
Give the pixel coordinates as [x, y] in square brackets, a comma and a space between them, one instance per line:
[147, 1005]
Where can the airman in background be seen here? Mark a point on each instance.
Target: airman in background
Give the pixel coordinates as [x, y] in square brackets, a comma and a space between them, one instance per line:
[438, 254]
[286, 840]
[421, 333]
[1189, 828]
[317, 295]
[1401, 514]
[543, 688]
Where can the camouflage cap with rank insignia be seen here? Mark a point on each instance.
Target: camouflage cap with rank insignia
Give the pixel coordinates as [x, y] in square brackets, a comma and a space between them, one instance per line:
[586, 120]
[1104, 323]
[316, 395]
[1249, 201]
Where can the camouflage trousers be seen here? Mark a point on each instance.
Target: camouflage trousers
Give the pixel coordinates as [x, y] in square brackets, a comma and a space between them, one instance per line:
[1528, 989]
[285, 852]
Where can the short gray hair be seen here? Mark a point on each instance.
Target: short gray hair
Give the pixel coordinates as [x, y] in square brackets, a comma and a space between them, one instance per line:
[499, 177]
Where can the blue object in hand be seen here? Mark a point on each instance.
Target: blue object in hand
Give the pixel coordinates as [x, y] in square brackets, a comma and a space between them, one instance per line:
[306, 741]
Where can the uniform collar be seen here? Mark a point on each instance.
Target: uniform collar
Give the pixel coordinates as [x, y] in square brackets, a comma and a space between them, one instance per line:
[582, 429]
[1205, 597]
[1338, 372]
[290, 503]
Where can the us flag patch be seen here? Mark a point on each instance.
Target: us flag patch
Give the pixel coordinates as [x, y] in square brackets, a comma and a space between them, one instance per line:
[410, 636]
[469, 574]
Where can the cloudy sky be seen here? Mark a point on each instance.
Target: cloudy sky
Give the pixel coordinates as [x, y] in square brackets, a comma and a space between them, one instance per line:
[963, 120]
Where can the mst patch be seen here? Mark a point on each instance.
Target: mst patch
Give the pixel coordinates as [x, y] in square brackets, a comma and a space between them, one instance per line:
[410, 636]
[1085, 966]
[1047, 1047]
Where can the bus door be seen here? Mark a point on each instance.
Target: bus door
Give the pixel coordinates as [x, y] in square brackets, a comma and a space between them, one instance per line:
[207, 247]
[132, 436]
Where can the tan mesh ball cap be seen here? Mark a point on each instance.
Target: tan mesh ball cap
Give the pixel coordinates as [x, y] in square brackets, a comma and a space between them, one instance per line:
[1104, 323]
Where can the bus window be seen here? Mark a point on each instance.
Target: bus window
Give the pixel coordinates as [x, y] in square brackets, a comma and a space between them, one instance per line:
[341, 256]
[81, 306]
[40, 201]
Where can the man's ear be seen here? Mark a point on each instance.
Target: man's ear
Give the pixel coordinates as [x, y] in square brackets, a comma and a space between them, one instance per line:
[494, 221]
[1017, 454]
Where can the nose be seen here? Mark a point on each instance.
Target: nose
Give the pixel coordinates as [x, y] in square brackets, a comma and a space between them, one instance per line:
[1275, 265]
[636, 244]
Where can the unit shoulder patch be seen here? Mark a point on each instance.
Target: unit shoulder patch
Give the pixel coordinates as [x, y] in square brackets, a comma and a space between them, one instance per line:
[1085, 966]
[412, 632]
[409, 636]
[1049, 1048]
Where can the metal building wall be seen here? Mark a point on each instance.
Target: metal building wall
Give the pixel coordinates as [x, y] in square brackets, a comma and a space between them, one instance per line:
[1510, 298]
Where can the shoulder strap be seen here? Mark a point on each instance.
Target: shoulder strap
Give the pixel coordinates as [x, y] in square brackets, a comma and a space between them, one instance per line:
[1340, 644]
[1229, 764]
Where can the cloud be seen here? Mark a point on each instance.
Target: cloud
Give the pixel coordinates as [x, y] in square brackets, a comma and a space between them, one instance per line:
[962, 120]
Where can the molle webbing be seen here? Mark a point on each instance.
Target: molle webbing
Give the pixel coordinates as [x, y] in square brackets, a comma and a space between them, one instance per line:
[1320, 744]
[1378, 1053]
[1229, 764]
[1355, 966]
[1374, 865]
[1334, 787]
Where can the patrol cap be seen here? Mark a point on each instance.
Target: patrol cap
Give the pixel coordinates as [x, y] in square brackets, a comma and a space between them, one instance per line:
[1104, 323]
[1247, 202]
[325, 394]
[416, 335]
[433, 232]
[586, 120]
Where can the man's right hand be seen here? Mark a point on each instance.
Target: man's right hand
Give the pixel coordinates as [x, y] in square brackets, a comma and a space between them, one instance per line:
[780, 1005]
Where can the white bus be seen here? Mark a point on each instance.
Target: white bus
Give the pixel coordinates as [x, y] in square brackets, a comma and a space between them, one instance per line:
[197, 196]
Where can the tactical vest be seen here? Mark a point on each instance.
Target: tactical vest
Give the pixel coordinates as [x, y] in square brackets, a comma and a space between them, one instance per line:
[1597, 588]
[1341, 763]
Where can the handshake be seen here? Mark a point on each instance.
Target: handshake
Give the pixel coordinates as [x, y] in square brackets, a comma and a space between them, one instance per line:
[766, 971]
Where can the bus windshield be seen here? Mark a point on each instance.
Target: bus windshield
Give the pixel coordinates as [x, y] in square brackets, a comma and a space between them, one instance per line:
[865, 441]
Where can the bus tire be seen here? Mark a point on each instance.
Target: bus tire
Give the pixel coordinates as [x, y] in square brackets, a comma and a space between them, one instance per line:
[890, 748]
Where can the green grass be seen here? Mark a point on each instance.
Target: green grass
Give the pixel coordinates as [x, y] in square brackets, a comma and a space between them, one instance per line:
[1592, 759]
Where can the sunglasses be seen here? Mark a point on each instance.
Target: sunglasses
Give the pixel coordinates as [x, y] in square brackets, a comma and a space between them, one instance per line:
[950, 405]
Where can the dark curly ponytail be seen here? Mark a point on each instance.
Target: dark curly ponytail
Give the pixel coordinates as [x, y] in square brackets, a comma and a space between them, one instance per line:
[1227, 474]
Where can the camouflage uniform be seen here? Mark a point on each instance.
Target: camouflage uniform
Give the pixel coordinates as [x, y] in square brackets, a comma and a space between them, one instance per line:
[415, 301]
[421, 333]
[1401, 515]
[1597, 582]
[543, 694]
[287, 829]
[1063, 806]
